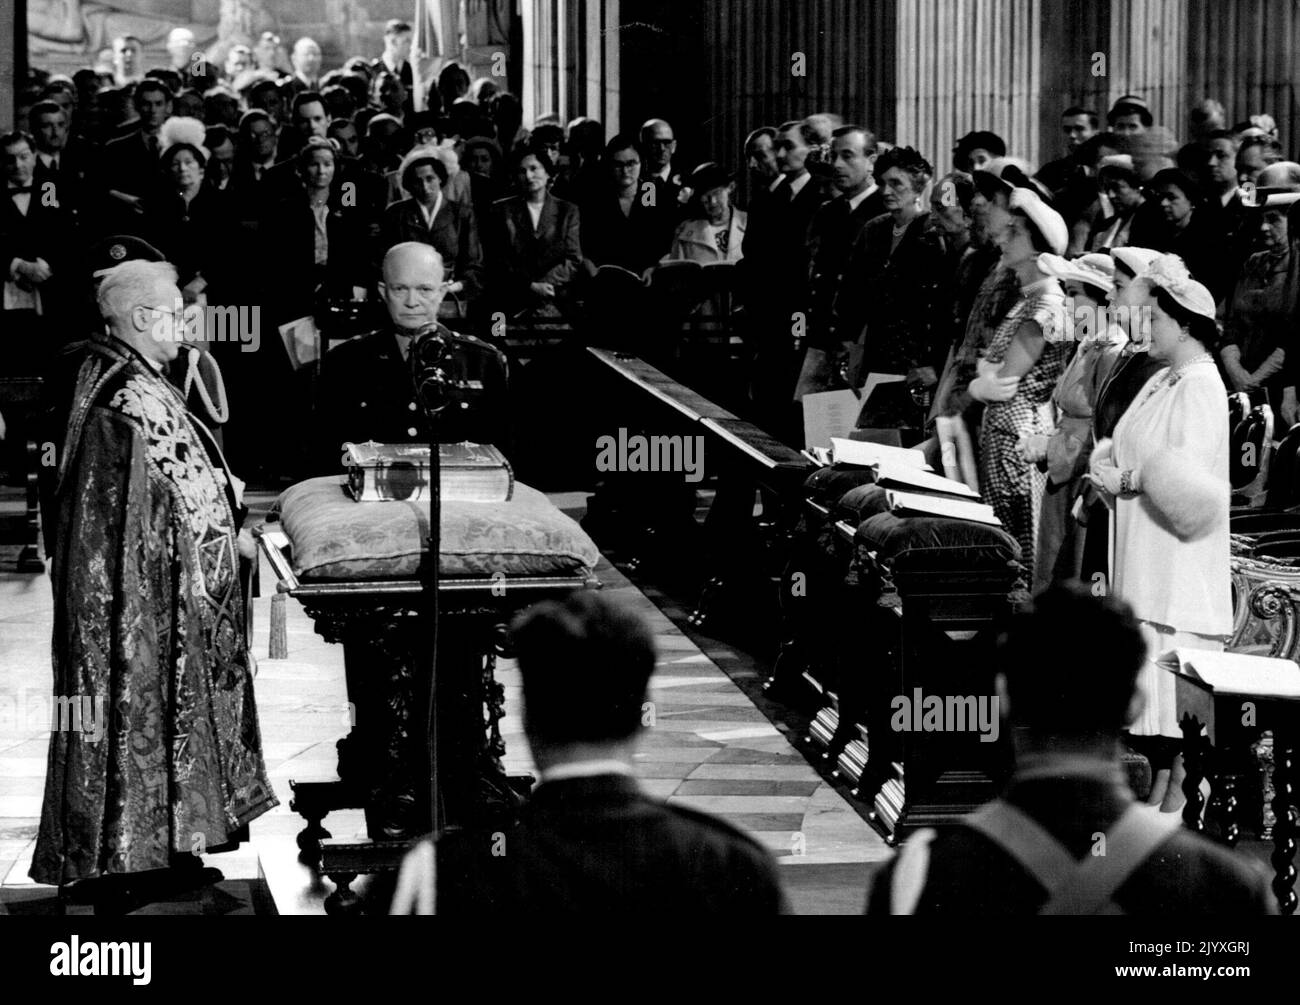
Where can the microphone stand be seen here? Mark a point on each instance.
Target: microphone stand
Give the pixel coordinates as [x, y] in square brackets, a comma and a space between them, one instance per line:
[428, 348]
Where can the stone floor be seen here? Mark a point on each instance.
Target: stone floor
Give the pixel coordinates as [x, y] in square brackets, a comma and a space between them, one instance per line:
[709, 748]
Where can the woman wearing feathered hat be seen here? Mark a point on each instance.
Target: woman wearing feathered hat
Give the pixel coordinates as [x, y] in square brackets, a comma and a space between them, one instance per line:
[1166, 472]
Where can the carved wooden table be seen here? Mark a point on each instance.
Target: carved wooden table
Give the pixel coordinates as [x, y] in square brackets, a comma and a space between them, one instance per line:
[1216, 745]
[384, 761]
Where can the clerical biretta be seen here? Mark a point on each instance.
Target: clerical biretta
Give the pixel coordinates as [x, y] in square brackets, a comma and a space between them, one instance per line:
[148, 615]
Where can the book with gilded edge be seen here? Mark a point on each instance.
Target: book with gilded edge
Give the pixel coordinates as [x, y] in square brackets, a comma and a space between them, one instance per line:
[469, 472]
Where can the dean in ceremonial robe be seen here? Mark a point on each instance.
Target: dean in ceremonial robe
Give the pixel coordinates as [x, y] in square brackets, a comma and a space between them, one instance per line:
[148, 617]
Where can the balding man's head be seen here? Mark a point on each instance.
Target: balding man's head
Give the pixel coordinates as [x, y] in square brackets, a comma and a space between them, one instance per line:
[657, 144]
[412, 286]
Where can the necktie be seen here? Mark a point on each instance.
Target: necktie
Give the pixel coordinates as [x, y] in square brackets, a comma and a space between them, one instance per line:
[783, 194]
[153, 145]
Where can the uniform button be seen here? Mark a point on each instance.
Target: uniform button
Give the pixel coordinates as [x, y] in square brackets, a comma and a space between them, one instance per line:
[411, 406]
[412, 431]
[363, 404]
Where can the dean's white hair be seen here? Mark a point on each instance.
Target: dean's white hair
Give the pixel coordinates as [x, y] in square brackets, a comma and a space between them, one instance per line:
[133, 284]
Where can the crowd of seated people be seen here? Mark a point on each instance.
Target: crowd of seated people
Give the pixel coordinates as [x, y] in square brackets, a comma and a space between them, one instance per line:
[1102, 446]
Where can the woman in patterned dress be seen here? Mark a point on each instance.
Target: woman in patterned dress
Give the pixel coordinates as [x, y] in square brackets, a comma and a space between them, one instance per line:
[1031, 344]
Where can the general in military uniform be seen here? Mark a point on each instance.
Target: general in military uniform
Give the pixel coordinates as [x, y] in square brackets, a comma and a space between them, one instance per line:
[366, 391]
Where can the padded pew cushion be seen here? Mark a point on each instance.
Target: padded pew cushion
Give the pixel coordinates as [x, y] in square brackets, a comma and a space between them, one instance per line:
[336, 538]
[827, 485]
[920, 543]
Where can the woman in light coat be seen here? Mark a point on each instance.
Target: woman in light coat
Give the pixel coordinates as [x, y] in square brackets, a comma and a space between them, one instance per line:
[1166, 471]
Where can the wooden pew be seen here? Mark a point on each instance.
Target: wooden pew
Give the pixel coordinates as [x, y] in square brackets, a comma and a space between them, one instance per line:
[742, 458]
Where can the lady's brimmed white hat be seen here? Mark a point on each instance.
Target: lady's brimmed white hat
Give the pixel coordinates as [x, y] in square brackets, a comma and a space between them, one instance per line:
[1169, 273]
[1135, 260]
[1093, 269]
[1048, 221]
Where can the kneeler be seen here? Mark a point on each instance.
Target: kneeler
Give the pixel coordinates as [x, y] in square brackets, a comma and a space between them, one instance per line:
[1073, 886]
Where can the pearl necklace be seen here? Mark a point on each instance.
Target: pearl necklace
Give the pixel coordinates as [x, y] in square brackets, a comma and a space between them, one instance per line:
[1176, 373]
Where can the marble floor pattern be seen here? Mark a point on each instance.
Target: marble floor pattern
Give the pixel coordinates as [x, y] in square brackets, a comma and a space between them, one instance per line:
[708, 747]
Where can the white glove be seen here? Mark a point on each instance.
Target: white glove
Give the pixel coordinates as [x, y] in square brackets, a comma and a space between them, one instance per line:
[989, 387]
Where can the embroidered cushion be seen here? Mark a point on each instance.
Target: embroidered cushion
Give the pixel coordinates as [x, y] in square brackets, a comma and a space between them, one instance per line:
[336, 538]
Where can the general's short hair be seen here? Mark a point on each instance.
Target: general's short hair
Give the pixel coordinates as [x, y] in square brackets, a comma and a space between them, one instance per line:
[869, 142]
[1051, 654]
[586, 662]
[125, 286]
[396, 27]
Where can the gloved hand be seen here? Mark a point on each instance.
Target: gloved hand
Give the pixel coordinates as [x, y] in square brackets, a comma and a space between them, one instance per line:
[988, 386]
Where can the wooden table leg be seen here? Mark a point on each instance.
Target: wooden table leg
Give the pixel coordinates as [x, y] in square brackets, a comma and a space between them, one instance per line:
[1284, 830]
[1194, 757]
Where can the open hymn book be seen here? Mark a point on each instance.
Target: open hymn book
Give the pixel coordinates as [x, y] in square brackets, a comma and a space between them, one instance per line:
[901, 468]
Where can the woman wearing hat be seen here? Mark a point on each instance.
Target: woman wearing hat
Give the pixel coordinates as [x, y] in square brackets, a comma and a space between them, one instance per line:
[1030, 344]
[185, 219]
[716, 228]
[1064, 451]
[428, 216]
[1259, 316]
[1126, 376]
[1166, 473]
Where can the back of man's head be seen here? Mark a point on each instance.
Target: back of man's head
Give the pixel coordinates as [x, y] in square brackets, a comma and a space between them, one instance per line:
[1071, 663]
[586, 662]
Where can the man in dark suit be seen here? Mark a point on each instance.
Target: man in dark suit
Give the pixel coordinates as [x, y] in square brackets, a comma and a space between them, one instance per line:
[36, 249]
[834, 231]
[62, 161]
[589, 840]
[776, 271]
[365, 390]
[1040, 848]
[397, 59]
[131, 160]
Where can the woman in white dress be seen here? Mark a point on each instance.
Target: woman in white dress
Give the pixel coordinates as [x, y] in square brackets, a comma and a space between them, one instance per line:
[1166, 471]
